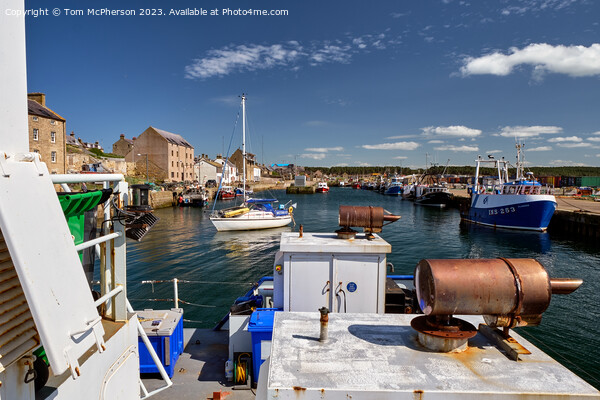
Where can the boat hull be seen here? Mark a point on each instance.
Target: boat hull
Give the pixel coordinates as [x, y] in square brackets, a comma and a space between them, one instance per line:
[526, 212]
[247, 223]
[393, 191]
[322, 190]
[439, 199]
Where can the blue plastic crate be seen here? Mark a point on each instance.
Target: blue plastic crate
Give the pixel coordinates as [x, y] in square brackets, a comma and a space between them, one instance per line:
[165, 331]
[261, 329]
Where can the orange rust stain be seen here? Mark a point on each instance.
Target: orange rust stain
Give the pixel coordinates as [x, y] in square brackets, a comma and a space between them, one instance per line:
[298, 388]
[418, 394]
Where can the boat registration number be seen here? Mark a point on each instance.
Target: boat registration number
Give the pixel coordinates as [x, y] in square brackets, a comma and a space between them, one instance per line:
[504, 210]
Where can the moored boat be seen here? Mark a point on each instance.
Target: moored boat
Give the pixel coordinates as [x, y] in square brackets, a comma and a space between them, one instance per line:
[394, 188]
[522, 203]
[253, 213]
[322, 187]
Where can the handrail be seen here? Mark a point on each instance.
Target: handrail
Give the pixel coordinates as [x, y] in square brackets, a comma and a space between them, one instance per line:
[85, 178]
[98, 240]
[108, 295]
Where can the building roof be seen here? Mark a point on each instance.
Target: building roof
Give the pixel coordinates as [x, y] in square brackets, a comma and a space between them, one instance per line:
[209, 162]
[72, 141]
[173, 138]
[35, 108]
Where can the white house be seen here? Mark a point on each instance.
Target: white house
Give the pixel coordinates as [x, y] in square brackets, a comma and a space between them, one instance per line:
[229, 171]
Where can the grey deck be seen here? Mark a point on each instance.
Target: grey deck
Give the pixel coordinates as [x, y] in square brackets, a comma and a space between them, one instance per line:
[200, 370]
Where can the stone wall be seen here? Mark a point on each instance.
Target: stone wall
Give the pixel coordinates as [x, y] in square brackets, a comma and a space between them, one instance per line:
[161, 199]
[43, 143]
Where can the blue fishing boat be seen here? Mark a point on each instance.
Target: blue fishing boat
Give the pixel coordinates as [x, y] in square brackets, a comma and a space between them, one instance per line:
[395, 187]
[522, 203]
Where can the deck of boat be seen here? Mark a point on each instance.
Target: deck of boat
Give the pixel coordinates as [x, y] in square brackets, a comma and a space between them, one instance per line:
[200, 370]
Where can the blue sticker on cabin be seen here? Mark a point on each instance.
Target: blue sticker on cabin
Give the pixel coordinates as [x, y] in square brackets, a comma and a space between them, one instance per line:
[351, 287]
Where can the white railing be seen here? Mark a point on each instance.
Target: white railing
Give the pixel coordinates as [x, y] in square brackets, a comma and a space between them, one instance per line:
[111, 249]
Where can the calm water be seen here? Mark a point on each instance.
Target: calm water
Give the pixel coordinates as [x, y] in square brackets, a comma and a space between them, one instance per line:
[185, 245]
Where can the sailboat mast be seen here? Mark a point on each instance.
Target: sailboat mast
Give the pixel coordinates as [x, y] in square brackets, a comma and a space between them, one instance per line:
[244, 144]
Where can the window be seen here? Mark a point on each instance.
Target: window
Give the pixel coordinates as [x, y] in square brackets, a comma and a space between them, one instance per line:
[53, 156]
[36, 134]
[172, 163]
[171, 154]
[52, 137]
[35, 118]
[52, 122]
[36, 151]
[172, 174]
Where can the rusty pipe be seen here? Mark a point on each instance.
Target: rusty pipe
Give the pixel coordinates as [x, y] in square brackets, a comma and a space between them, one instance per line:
[565, 285]
[324, 324]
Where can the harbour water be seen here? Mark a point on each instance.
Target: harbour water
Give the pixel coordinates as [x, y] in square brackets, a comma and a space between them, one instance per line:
[221, 266]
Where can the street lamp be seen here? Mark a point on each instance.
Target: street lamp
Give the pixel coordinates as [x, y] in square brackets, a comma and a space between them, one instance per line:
[147, 180]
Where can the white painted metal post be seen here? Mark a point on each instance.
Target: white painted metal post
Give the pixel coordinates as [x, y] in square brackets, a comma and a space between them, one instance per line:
[13, 80]
[176, 293]
[120, 257]
[106, 275]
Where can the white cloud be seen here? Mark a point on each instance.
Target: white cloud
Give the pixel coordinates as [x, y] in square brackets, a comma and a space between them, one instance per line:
[457, 148]
[363, 164]
[292, 55]
[316, 156]
[324, 149]
[594, 139]
[528, 131]
[541, 148]
[400, 158]
[316, 123]
[596, 133]
[402, 137]
[454, 131]
[435, 141]
[535, 6]
[565, 139]
[575, 61]
[392, 146]
[493, 151]
[342, 165]
[565, 163]
[573, 145]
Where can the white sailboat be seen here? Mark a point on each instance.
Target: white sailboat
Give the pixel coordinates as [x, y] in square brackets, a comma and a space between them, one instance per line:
[253, 213]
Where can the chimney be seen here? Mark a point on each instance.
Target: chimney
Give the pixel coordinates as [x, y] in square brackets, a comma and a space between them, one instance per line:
[72, 134]
[122, 136]
[133, 138]
[39, 97]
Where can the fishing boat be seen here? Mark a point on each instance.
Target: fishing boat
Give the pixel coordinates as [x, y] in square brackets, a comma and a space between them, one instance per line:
[226, 193]
[194, 197]
[394, 188]
[239, 192]
[522, 203]
[253, 213]
[322, 187]
[430, 191]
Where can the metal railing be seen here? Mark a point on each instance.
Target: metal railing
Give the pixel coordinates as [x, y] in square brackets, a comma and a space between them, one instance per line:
[110, 247]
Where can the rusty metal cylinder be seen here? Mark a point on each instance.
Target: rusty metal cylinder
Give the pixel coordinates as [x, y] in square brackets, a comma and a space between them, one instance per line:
[479, 287]
[361, 217]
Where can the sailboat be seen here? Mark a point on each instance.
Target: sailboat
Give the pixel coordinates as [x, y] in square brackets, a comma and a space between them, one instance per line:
[252, 213]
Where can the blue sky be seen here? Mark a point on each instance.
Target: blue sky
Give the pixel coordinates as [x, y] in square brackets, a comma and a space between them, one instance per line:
[335, 82]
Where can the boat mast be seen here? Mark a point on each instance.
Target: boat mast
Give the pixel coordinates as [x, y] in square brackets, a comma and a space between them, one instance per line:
[519, 146]
[244, 144]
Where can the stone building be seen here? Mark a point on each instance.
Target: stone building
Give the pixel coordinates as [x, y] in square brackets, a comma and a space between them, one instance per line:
[122, 146]
[47, 133]
[167, 151]
[253, 170]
